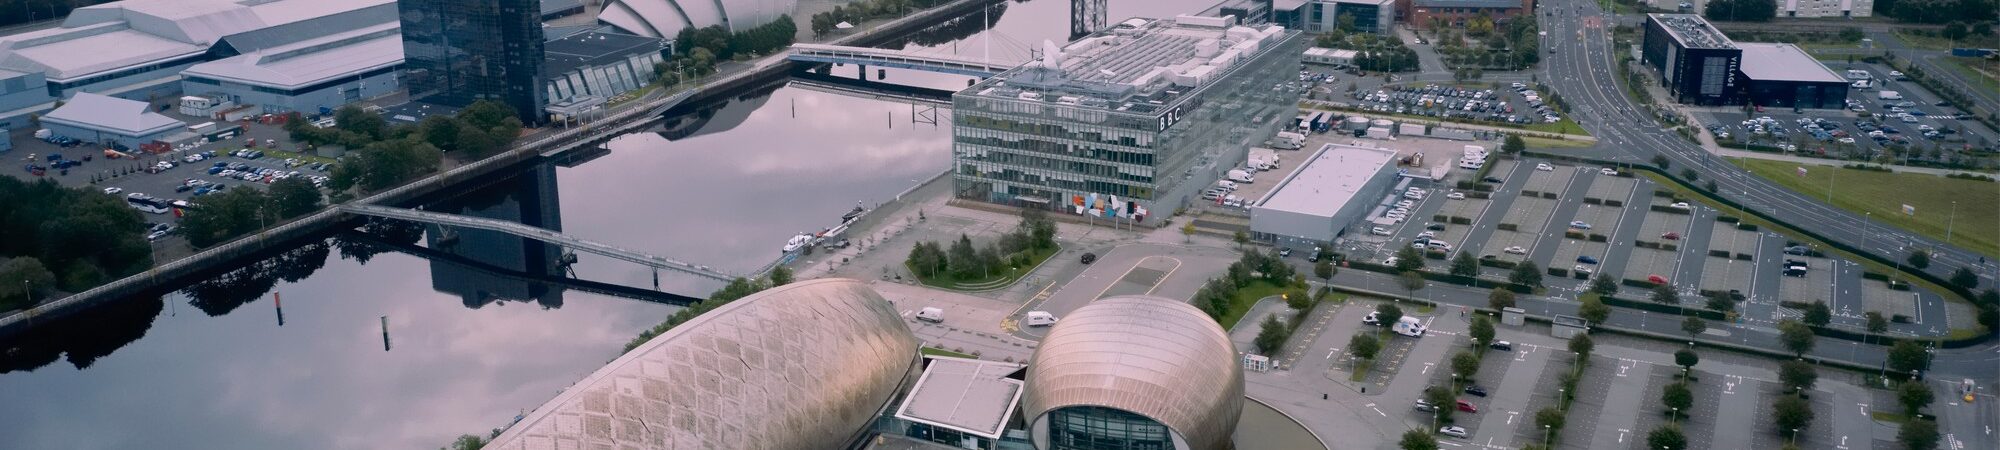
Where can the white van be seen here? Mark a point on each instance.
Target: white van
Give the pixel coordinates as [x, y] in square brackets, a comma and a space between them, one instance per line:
[1409, 326]
[1040, 319]
[931, 314]
[1226, 184]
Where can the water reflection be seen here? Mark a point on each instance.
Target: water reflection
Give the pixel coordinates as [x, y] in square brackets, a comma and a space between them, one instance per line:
[81, 338]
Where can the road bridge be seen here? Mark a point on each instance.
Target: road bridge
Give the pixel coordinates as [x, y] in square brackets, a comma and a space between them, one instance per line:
[566, 241]
[867, 56]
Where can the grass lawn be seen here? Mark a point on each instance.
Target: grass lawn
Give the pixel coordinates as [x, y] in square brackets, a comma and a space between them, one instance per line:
[1883, 194]
[1985, 79]
[950, 281]
[1361, 369]
[1564, 126]
[943, 352]
[1536, 142]
[1245, 297]
[1788, 232]
[1924, 42]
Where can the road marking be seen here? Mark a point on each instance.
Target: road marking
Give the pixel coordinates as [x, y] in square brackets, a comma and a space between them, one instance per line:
[1427, 369]
[1621, 434]
[1377, 410]
[1864, 408]
[1511, 415]
[1329, 353]
[1843, 443]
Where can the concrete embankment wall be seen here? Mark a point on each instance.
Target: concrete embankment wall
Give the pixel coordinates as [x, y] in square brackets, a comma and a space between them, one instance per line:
[285, 235]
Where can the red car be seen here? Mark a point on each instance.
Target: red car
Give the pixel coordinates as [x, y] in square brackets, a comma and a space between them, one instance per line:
[1465, 406]
[1671, 236]
[1656, 279]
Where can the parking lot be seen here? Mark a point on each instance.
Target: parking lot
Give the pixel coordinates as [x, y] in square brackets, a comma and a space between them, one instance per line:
[1916, 118]
[1530, 214]
[1517, 104]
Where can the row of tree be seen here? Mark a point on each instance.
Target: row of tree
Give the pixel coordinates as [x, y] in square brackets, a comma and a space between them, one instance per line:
[223, 216]
[1938, 11]
[736, 289]
[1034, 233]
[860, 11]
[63, 238]
[763, 39]
[388, 154]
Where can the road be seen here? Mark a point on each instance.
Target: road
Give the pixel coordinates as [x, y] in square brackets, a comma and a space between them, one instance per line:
[1583, 57]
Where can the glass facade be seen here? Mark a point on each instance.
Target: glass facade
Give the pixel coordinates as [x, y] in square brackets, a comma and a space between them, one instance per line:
[1098, 428]
[1152, 151]
[460, 51]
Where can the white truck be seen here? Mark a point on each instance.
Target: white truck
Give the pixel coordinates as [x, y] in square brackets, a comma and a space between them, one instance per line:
[1289, 140]
[1409, 326]
[1889, 95]
[1241, 176]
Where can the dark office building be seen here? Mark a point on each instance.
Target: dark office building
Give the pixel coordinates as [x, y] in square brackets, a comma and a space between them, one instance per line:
[459, 51]
[1700, 66]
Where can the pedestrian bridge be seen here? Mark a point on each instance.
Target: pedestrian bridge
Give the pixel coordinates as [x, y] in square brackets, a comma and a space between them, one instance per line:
[525, 231]
[868, 56]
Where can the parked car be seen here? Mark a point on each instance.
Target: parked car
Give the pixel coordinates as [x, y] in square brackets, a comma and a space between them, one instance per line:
[1671, 236]
[1586, 259]
[1517, 250]
[1455, 196]
[1796, 250]
[1089, 258]
[1607, 171]
[1656, 279]
[1465, 406]
[1454, 431]
[1434, 227]
[1501, 346]
[1475, 390]
[1544, 167]
[113, 190]
[1422, 405]
[1680, 205]
[1578, 224]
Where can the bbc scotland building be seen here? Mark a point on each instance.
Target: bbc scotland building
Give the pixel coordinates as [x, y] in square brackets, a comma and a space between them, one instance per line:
[1127, 121]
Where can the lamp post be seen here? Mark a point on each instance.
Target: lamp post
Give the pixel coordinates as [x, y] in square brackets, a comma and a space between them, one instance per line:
[1948, 222]
[1548, 434]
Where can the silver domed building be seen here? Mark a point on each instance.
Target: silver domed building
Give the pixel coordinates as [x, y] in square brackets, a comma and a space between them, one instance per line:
[808, 365]
[666, 18]
[1134, 372]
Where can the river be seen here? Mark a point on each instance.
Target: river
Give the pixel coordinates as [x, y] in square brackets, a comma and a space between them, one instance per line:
[353, 343]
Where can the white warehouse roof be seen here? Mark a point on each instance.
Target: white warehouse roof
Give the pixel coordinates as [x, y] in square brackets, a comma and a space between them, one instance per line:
[1783, 62]
[117, 35]
[311, 61]
[111, 115]
[1329, 180]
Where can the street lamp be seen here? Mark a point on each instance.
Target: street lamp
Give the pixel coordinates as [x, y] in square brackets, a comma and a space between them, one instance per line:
[1548, 434]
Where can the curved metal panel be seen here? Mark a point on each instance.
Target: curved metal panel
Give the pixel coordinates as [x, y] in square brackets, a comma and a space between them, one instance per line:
[807, 365]
[1152, 356]
[620, 15]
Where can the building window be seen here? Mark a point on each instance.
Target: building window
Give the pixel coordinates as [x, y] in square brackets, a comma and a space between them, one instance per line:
[1099, 428]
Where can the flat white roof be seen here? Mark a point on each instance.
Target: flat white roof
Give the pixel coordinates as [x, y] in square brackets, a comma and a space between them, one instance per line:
[1786, 62]
[83, 56]
[111, 114]
[311, 61]
[1328, 180]
[112, 36]
[967, 395]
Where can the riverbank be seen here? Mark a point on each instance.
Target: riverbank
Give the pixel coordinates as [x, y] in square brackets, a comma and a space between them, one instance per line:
[533, 148]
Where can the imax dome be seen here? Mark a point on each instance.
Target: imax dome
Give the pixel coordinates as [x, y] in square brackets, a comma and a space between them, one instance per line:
[666, 18]
[808, 365]
[1134, 372]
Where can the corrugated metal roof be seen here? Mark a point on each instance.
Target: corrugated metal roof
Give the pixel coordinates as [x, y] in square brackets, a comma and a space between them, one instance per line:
[111, 114]
[307, 62]
[1467, 4]
[122, 34]
[87, 55]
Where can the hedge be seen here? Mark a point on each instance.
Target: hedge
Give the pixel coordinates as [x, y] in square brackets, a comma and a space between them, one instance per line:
[1614, 203]
[1594, 237]
[1746, 226]
[1549, 195]
[1593, 201]
[1727, 219]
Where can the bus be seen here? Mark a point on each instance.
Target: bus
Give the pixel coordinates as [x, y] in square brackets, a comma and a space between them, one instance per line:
[148, 205]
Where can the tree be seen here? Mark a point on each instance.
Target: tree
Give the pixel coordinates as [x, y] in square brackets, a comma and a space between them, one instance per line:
[1818, 314]
[1299, 299]
[1594, 310]
[1791, 413]
[1667, 437]
[1418, 440]
[1963, 277]
[1411, 281]
[964, 258]
[1363, 345]
[1876, 323]
[1797, 375]
[1662, 161]
[1693, 325]
[1482, 330]
[1550, 418]
[1500, 298]
[223, 216]
[1919, 259]
[1242, 239]
[1720, 302]
[1581, 345]
[293, 197]
[1665, 294]
[1514, 144]
[1444, 399]
[1908, 356]
[1686, 358]
[1388, 314]
[781, 276]
[1914, 395]
[1464, 265]
[1464, 365]
[1526, 274]
[1796, 337]
[1603, 285]
[1409, 259]
[1918, 434]
[21, 278]
[1955, 31]
[1273, 335]
[1324, 270]
[1677, 398]
[467, 442]
[1187, 232]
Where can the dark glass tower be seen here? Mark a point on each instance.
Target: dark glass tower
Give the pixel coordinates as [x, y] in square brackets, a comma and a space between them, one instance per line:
[459, 51]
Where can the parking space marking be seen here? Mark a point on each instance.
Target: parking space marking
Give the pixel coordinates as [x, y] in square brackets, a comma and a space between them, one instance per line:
[1377, 410]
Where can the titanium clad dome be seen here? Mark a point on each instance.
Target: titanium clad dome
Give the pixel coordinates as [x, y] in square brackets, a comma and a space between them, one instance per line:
[666, 18]
[1154, 357]
[808, 365]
